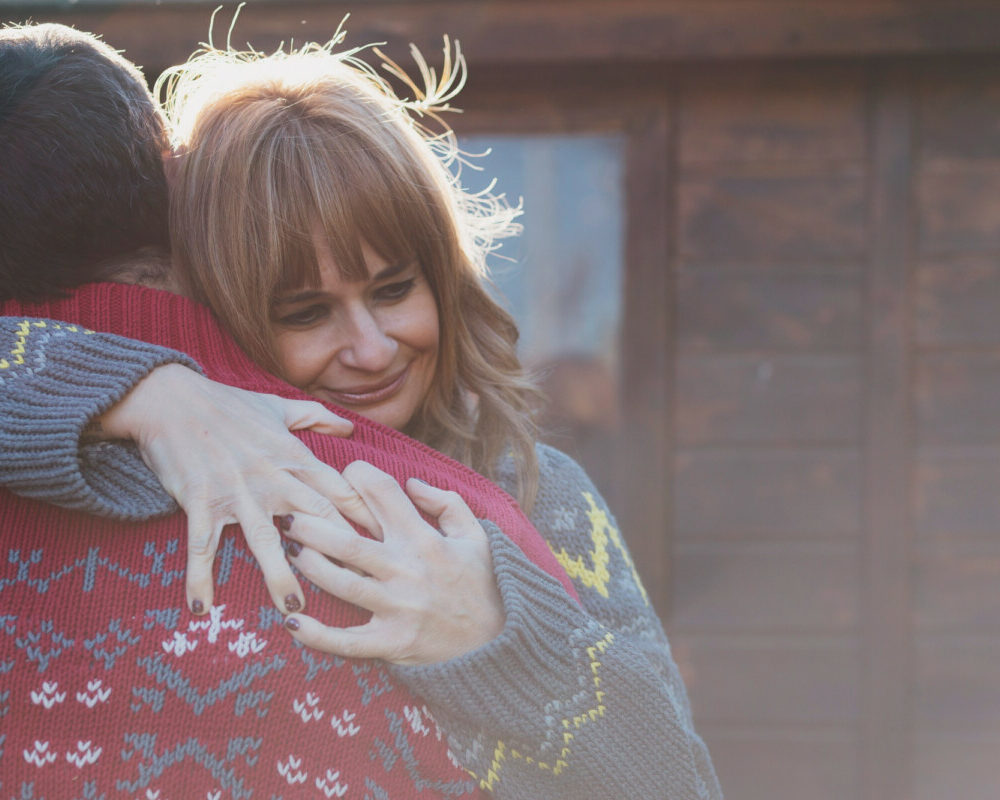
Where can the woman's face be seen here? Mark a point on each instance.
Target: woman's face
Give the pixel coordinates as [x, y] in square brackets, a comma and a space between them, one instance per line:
[370, 346]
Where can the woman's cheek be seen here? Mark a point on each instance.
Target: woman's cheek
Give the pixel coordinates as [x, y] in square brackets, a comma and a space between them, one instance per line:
[295, 357]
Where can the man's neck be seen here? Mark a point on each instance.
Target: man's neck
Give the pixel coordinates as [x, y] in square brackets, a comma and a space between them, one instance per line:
[147, 266]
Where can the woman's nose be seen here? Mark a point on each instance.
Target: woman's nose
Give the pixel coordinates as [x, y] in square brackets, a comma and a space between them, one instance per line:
[369, 347]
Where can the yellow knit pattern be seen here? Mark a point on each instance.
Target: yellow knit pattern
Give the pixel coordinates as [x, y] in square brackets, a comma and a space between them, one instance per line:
[502, 753]
[16, 355]
[597, 576]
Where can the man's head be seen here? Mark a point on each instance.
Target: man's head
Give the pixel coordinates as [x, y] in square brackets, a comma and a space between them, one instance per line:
[81, 173]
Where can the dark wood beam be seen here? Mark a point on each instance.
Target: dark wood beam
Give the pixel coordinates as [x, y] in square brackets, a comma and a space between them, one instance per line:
[558, 31]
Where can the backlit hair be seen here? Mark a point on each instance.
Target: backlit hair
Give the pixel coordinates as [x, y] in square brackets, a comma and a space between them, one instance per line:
[272, 147]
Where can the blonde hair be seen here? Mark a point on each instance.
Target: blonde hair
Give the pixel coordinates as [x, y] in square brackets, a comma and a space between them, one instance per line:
[271, 146]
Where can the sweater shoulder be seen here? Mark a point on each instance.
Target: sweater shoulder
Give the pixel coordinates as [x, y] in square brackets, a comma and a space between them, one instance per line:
[556, 470]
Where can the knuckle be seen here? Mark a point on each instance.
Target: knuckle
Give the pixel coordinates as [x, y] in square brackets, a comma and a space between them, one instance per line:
[261, 533]
[367, 473]
[201, 549]
[352, 548]
[436, 549]
[319, 506]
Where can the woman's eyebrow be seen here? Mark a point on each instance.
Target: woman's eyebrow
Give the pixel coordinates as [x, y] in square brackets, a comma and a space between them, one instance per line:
[305, 295]
[391, 271]
[298, 297]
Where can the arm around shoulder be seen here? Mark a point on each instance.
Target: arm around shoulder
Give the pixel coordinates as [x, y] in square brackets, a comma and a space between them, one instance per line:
[55, 378]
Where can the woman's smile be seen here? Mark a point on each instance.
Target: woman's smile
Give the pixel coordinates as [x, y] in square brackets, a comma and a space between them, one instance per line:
[370, 394]
[368, 345]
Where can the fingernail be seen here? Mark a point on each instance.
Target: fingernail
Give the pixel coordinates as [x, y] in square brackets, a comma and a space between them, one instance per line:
[294, 548]
[292, 603]
[285, 522]
[292, 624]
[197, 607]
[418, 480]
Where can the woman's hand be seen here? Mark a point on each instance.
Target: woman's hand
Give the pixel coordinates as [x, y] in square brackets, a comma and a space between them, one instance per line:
[226, 455]
[432, 594]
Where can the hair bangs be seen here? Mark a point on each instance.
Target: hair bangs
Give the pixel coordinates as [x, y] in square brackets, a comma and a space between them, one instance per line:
[364, 194]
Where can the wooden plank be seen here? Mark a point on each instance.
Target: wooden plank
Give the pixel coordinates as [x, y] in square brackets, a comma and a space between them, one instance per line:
[956, 300]
[758, 493]
[760, 213]
[956, 765]
[779, 680]
[777, 588]
[959, 111]
[773, 115]
[960, 207]
[726, 311]
[768, 399]
[956, 588]
[886, 757]
[558, 31]
[642, 452]
[957, 685]
[956, 492]
[956, 398]
[763, 765]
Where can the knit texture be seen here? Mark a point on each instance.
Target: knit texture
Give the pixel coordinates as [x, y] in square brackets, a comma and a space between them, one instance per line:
[110, 688]
[569, 701]
[54, 378]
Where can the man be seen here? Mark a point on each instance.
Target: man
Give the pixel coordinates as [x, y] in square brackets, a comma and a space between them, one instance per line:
[107, 684]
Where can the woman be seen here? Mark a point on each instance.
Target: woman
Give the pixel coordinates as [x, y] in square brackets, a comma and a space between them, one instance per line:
[323, 227]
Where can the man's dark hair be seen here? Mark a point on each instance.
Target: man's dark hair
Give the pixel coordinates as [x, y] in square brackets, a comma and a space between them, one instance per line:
[81, 173]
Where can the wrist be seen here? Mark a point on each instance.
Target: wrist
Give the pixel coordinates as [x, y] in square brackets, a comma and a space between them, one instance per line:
[129, 417]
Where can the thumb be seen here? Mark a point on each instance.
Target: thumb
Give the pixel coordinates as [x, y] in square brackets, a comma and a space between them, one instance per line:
[454, 517]
[303, 415]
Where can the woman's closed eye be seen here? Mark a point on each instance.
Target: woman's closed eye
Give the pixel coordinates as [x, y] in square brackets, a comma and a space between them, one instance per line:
[305, 316]
[392, 292]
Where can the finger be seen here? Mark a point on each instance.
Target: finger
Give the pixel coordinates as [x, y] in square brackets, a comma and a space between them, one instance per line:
[297, 493]
[203, 540]
[339, 496]
[356, 642]
[339, 541]
[265, 544]
[310, 415]
[454, 517]
[392, 509]
[335, 579]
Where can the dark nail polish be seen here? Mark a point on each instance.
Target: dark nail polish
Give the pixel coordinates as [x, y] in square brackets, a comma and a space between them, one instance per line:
[292, 624]
[285, 522]
[292, 603]
[197, 607]
[294, 548]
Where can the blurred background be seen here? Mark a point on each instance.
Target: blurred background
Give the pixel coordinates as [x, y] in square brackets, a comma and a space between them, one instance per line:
[761, 275]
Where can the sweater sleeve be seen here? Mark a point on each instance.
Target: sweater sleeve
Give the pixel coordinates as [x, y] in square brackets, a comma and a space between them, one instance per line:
[570, 701]
[54, 378]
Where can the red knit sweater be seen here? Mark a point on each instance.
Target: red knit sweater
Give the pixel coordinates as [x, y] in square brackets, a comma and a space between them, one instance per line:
[110, 688]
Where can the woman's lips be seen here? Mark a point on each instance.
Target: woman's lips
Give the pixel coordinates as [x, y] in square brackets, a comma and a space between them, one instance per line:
[368, 396]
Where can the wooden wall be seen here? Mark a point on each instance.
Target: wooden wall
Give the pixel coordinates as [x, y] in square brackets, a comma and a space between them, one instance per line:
[809, 463]
[811, 371]
[774, 184]
[955, 562]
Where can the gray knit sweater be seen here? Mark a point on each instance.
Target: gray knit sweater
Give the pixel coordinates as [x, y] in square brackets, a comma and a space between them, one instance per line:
[570, 701]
